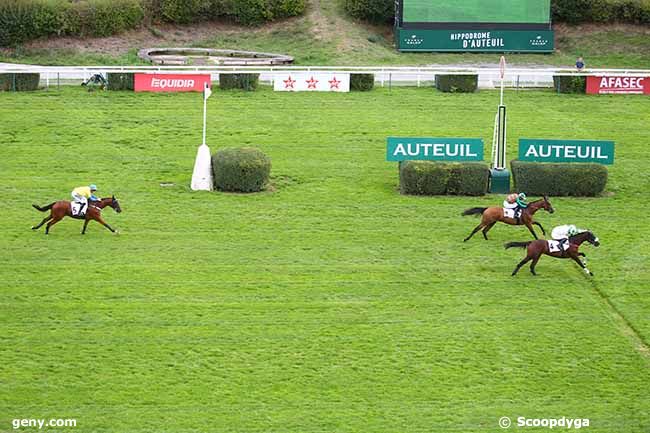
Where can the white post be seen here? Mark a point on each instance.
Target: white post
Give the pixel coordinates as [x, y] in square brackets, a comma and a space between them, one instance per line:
[502, 67]
[205, 113]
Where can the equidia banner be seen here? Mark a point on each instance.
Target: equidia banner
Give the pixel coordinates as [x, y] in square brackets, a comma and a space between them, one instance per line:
[618, 85]
[311, 82]
[171, 82]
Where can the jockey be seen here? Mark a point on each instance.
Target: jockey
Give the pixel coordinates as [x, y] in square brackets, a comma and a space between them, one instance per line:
[514, 201]
[81, 194]
[563, 233]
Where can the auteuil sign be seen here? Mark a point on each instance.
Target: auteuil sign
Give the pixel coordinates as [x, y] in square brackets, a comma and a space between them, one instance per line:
[601, 152]
[475, 40]
[434, 149]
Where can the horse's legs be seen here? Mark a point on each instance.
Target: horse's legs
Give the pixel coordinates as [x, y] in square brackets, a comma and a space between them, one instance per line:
[46, 219]
[487, 229]
[540, 226]
[51, 223]
[530, 227]
[477, 228]
[83, 232]
[100, 220]
[520, 264]
[534, 263]
[582, 265]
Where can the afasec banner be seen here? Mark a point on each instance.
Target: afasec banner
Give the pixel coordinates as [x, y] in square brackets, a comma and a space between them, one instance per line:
[618, 85]
[171, 82]
[434, 149]
[601, 152]
[311, 82]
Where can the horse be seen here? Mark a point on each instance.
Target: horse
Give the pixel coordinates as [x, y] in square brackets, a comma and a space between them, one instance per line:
[61, 209]
[538, 247]
[492, 215]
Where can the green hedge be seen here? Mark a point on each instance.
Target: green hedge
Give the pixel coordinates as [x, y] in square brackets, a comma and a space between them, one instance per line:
[19, 82]
[120, 81]
[601, 11]
[559, 179]
[239, 81]
[457, 83]
[570, 84]
[22, 20]
[243, 169]
[362, 82]
[435, 178]
[376, 11]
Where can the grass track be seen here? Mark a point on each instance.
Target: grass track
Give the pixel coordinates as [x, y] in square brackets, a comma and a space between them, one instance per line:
[331, 305]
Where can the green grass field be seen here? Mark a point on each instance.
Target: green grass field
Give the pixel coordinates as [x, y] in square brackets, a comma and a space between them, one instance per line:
[329, 304]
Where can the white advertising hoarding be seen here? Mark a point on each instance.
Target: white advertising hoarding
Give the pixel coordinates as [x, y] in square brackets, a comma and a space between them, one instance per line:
[311, 82]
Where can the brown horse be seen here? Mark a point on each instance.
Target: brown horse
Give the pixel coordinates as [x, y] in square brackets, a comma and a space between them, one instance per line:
[537, 248]
[492, 215]
[61, 209]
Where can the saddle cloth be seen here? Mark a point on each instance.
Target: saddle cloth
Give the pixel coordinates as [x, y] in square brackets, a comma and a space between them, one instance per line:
[510, 213]
[558, 246]
[74, 208]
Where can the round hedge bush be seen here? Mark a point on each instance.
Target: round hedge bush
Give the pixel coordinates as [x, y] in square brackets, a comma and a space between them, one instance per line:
[244, 169]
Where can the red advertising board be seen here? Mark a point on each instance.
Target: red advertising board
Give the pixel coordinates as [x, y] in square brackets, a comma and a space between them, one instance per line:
[618, 85]
[171, 82]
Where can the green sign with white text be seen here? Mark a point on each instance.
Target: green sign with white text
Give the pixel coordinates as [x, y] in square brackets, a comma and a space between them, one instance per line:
[538, 41]
[434, 149]
[601, 152]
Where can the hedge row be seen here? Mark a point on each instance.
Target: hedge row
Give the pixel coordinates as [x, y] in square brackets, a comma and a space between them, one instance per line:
[243, 169]
[457, 83]
[19, 82]
[559, 179]
[570, 84]
[239, 81]
[434, 178]
[120, 81]
[601, 11]
[362, 82]
[570, 11]
[22, 20]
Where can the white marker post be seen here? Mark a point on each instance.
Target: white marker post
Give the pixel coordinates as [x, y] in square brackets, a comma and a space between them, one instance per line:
[202, 175]
[500, 176]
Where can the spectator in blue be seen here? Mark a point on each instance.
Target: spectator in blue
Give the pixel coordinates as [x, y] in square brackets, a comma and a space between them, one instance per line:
[580, 64]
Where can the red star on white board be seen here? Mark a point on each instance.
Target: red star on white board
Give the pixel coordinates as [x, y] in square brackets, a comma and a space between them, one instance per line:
[311, 83]
[288, 83]
[334, 83]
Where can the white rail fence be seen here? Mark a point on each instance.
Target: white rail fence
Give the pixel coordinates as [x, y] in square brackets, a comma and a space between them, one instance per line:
[384, 76]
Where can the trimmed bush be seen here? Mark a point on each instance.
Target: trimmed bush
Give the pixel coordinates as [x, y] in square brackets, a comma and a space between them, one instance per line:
[559, 179]
[120, 81]
[435, 178]
[375, 11]
[107, 17]
[468, 179]
[19, 82]
[239, 81]
[243, 169]
[570, 84]
[362, 82]
[457, 83]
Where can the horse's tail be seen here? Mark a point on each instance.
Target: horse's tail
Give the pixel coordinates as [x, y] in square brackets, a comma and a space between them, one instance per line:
[516, 244]
[45, 208]
[474, 211]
